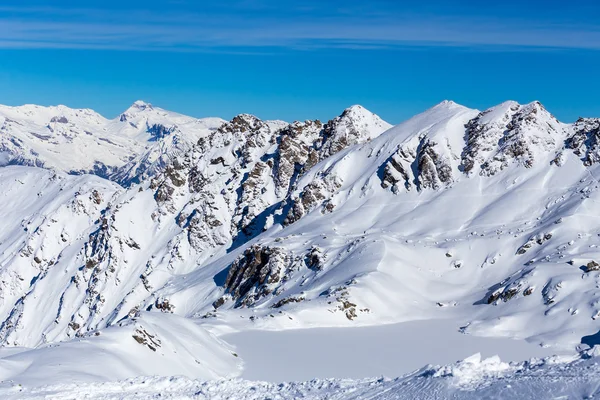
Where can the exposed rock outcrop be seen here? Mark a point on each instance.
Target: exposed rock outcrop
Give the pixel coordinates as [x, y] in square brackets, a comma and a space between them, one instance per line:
[507, 134]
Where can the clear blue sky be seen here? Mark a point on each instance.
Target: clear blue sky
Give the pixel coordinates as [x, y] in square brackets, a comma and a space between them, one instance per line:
[300, 59]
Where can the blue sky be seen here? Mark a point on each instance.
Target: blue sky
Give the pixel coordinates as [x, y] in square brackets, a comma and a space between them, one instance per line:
[300, 59]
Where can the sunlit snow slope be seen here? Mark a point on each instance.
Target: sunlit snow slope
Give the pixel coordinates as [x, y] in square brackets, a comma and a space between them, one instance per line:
[488, 219]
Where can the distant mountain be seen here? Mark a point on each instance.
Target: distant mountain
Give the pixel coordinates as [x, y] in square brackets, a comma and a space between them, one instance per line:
[82, 141]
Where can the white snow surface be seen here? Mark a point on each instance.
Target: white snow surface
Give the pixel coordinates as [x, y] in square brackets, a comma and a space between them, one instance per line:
[472, 378]
[385, 350]
[487, 221]
[173, 346]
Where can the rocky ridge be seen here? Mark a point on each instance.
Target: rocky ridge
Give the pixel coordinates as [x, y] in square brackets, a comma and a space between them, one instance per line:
[344, 222]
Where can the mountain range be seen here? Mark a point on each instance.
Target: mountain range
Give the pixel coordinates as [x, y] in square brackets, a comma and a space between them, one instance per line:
[140, 241]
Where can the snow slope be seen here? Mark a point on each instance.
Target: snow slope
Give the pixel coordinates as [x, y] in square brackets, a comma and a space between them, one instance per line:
[383, 350]
[495, 246]
[146, 345]
[487, 220]
[472, 378]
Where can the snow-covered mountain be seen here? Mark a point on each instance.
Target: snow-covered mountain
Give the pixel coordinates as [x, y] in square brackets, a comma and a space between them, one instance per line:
[124, 149]
[203, 227]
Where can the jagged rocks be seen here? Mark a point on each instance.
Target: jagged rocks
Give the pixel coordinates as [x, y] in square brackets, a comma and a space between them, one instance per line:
[288, 300]
[253, 190]
[342, 297]
[164, 305]
[483, 133]
[397, 170]
[315, 259]
[205, 229]
[255, 274]
[511, 287]
[196, 179]
[159, 131]
[349, 309]
[144, 338]
[175, 174]
[529, 291]
[241, 124]
[506, 294]
[60, 120]
[523, 249]
[219, 302]
[224, 188]
[434, 170]
[592, 266]
[509, 133]
[313, 195]
[426, 159]
[96, 197]
[294, 145]
[74, 326]
[585, 141]
[539, 239]
[245, 135]
[164, 193]
[354, 125]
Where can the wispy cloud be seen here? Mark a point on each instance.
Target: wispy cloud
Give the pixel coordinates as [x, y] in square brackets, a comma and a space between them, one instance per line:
[27, 28]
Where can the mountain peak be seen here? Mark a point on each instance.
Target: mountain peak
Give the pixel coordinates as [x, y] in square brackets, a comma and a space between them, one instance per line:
[535, 105]
[444, 107]
[359, 123]
[140, 105]
[356, 108]
[448, 104]
[137, 107]
[357, 111]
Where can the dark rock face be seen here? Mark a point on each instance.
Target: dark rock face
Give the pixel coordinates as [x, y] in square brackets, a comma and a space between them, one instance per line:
[592, 266]
[481, 138]
[510, 289]
[315, 259]
[144, 338]
[431, 166]
[60, 120]
[293, 153]
[287, 300]
[242, 123]
[296, 148]
[164, 193]
[505, 295]
[510, 134]
[255, 274]
[585, 141]
[317, 192]
[510, 138]
[539, 239]
[158, 131]
[434, 170]
[396, 171]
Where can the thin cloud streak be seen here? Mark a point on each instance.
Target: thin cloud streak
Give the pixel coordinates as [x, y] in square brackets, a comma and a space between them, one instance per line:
[94, 29]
